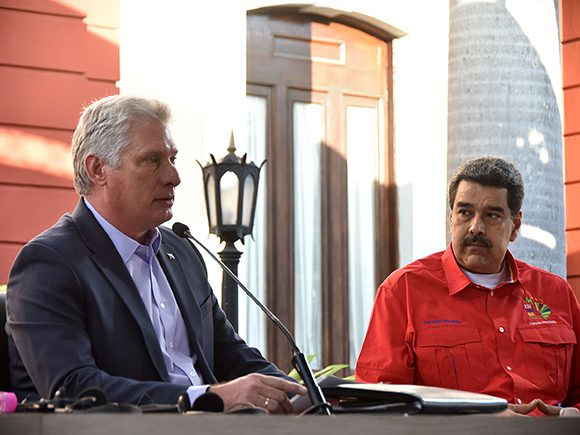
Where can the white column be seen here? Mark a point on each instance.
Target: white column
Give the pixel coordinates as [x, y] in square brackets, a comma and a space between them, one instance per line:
[192, 55]
[505, 100]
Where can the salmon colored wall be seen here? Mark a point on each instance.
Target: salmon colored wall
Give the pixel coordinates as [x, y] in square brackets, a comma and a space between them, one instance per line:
[570, 38]
[55, 57]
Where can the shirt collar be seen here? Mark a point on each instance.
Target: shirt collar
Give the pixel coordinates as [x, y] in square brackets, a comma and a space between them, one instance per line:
[125, 245]
[456, 279]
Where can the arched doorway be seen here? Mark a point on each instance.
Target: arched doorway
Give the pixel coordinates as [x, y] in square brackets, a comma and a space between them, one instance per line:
[319, 108]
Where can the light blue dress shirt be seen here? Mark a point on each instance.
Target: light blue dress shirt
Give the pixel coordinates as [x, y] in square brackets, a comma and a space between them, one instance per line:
[159, 300]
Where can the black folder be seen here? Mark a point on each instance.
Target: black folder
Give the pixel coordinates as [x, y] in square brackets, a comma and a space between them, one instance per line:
[353, 397]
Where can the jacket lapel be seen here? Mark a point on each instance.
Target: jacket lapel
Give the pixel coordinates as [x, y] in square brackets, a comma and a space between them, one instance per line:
[107, 259]
[188, 305]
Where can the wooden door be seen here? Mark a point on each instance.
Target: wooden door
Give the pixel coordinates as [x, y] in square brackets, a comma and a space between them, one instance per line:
[326, 90]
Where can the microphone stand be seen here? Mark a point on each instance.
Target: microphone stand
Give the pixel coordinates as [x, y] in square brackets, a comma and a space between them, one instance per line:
[298, 360]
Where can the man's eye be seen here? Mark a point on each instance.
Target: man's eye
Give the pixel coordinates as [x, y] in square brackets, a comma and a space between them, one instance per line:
[173, 159]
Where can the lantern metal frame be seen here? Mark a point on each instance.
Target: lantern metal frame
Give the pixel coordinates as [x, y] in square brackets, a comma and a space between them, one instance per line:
[230, 233]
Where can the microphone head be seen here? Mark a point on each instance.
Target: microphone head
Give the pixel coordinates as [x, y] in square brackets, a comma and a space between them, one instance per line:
[180, 229]
[208, 402]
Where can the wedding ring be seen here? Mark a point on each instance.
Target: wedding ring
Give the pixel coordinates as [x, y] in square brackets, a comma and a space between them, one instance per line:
[267, 402]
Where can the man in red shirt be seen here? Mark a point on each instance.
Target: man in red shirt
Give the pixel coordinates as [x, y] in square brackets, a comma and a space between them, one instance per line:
[472, 317]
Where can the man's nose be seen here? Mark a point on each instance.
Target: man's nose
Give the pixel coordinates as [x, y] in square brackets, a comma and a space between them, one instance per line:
[477, 225]
[171, 176]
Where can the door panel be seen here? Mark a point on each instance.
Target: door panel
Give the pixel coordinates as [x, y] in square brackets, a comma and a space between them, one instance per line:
[362, 143]
[307, 145]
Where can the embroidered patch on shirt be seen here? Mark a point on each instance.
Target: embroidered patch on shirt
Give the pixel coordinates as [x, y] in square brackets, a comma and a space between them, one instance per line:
[536, 308]
[443, 321]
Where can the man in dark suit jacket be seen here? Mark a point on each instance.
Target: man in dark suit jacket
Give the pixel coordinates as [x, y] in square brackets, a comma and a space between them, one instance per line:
[81, 314]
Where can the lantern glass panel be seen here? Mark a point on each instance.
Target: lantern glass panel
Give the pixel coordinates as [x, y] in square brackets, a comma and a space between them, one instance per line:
[211, 200]
[249, 191]
[229, 189]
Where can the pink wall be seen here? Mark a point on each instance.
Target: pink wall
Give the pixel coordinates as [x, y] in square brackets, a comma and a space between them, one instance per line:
[570, 38]
[55, 57]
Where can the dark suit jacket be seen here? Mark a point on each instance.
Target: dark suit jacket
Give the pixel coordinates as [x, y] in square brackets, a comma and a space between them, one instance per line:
[76, 319]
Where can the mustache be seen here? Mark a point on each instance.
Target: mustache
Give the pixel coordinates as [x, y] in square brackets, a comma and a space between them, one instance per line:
[476, 240]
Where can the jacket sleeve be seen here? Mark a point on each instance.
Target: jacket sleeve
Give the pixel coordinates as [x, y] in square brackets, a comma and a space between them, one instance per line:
[385, 355]
[233, 357]
[47, 315]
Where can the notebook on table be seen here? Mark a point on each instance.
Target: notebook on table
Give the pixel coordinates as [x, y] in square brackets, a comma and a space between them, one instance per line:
[353, 397]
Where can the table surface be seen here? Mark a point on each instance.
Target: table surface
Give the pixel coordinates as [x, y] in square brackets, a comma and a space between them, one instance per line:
[360, 424]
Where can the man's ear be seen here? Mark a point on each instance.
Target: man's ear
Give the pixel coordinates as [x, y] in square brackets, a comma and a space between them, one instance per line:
[95, 168]
[517, 221]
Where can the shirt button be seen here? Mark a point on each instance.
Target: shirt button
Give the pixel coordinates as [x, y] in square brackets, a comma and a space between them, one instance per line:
[501, 329]
[191, 373]
[519, 401]
[491, 293]
[171, 344]
[509, 368]
[162, 305]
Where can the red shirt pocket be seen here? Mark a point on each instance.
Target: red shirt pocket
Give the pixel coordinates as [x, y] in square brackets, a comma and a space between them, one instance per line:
[451, 357]
[548, 352]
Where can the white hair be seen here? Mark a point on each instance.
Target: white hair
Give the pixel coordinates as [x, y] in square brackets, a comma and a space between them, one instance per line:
[104, 131]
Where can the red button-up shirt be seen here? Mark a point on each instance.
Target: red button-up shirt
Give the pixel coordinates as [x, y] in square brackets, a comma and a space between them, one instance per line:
[432, 326]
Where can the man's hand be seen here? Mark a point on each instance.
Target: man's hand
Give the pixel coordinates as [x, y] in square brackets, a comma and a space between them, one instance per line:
[538, 407]
[267, 392]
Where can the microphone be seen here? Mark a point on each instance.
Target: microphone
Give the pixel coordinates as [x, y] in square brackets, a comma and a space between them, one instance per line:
[207, 402]
[298, 360]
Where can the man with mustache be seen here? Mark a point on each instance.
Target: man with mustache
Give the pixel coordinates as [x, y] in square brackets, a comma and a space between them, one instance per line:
[473, 317]
[109, 299]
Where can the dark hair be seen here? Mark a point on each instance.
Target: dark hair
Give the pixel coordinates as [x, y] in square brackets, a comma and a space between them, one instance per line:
[492, 172]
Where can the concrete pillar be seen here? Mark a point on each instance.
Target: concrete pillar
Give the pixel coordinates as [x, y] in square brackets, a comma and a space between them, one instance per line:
[504, 100]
